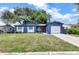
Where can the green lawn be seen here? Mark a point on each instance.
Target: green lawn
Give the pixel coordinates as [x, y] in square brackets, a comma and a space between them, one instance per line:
[33, 42]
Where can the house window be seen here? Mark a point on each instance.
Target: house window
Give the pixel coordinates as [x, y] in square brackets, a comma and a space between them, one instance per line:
[19, 29]
[30, 28]
[39, 29]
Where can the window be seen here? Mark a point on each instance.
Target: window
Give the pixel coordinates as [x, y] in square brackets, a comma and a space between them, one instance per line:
[20, 29]
[39, 29]
[30, 28]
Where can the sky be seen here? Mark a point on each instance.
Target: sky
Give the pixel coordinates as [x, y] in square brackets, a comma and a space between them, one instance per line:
[62, 12]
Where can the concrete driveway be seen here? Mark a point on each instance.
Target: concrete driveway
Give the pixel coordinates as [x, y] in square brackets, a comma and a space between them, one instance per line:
[68, 38]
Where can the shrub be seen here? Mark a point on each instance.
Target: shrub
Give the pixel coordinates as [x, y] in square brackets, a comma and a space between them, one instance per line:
[73, 31]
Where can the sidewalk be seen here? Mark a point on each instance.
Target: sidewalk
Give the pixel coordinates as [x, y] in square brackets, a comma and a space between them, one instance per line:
[68, 38]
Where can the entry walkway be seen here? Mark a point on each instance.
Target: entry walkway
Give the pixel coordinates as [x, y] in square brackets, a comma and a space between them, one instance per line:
[68, 38]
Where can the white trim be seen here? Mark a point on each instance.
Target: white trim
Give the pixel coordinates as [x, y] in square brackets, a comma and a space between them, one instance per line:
[41, 24]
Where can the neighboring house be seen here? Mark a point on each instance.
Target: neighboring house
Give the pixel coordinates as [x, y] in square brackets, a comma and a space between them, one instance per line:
[74, 26]
[68, 26]
[50, 28]
[7, 29]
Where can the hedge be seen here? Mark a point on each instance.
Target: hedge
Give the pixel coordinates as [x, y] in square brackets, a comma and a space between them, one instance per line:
[73, 31]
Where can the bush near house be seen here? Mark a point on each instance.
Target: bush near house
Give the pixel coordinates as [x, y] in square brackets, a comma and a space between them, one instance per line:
[73, 31]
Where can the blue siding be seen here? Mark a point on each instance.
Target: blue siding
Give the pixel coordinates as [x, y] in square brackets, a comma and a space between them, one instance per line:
[34, 29]
[45, 29]
[25, 28]
[48, 29]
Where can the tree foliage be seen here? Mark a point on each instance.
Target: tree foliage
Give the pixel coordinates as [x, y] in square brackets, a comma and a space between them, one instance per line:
[77, 6]
[22, 15]
[7, 17]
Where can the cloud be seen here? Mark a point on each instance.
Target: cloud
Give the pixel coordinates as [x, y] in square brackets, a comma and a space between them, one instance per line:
[2, 9]
[39, 5]
[75, 9]
[67, 16]
[11, 10]
[1, 23]
[55, 13]
[76, 14]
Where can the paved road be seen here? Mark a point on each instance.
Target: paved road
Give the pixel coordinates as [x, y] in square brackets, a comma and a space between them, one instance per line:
[68, 38]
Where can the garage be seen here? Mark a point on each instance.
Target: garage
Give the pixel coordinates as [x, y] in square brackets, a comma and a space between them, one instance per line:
[55, 28]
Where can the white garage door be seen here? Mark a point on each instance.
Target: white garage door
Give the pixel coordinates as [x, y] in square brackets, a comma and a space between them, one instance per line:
[55, 29]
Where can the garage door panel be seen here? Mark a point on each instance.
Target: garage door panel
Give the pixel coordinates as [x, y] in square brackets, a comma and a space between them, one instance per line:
[55, 29]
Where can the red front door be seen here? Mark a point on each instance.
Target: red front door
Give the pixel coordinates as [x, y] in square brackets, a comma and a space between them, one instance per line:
[42, 28]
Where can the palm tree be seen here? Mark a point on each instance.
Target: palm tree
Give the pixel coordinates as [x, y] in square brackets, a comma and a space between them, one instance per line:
[42, 16]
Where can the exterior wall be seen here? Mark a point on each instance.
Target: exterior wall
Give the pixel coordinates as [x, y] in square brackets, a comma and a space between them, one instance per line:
[7, 29]
[42, 29]
[24, 27]
[48, 29]
[63, 30]
[16, 27]
[33, 30]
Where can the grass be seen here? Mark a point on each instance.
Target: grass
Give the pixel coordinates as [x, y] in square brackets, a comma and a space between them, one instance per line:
[33, 42]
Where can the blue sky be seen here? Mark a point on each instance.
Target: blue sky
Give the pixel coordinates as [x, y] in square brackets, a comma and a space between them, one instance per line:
[63, 12]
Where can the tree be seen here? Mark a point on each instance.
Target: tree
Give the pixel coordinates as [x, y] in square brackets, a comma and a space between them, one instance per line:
[42, 16]
[77, 6]
[7, 17]
[23, 15]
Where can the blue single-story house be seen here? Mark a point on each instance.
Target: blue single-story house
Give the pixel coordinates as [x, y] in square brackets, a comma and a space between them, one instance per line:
[50, 28]
[30, 28]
